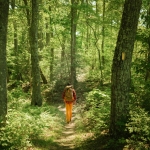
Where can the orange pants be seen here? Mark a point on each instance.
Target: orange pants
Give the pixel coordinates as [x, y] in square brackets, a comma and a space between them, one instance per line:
[69, 106]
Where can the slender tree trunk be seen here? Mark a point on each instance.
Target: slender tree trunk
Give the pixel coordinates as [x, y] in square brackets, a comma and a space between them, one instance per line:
[36, 90]
[63, 57]
[103, 35]
[4, 9]
[40, 29]
[147, 76]
[87, 28]
[121, 74]
[28, 15]
[43, 77]
[97, 43]
[74, 4]
[51, 49]
[47, 33]
[51, 63]
[18, 75]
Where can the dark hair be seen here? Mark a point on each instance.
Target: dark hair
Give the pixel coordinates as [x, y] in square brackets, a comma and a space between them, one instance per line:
[69, 84]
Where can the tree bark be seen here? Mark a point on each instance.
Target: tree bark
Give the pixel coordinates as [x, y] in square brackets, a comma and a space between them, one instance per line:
[51, 49]
[97, 43]
[74, 4]
[51, 63]
[103, 35]
[147, 76]
[4, 9]
[43, 77]
[121, 67]
[87, 28]
[36, 86]
[63, 57]
[18, 75]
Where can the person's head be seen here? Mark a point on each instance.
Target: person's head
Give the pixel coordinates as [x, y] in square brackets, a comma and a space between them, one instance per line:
[69, 85]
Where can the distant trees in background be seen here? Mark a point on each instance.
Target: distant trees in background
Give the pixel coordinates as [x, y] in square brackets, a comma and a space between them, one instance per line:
[70, 39]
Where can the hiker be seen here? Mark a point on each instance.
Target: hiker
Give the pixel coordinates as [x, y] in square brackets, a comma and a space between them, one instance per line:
[69, 97]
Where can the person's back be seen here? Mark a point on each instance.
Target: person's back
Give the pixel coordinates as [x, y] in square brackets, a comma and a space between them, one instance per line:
[69, 97]
[69, 93]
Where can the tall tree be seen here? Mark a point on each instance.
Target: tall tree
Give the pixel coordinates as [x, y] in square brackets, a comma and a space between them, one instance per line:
[74, 4]
[103, 33]
[97, 34]
[147, 76]
[121, 67]
[35, 72]
[87, 28]
[17, 73]
[51, 48]
[4, 9]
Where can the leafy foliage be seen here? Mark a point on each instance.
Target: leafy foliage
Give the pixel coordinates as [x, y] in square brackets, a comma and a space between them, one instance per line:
[25, 123]
[139, 128]
[96, 111]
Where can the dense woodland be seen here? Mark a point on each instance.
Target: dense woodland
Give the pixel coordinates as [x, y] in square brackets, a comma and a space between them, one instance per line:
[102, 47]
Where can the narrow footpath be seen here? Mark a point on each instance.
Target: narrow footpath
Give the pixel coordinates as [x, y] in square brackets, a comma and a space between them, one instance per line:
[67, 139]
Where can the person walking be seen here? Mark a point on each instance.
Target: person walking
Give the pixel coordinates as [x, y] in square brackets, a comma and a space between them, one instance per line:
[69, 97]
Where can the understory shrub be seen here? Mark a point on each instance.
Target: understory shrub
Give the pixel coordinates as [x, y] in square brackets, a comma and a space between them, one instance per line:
[96, 116]
[18, 130]
[139, 128]
[26, 123]
[146, 97]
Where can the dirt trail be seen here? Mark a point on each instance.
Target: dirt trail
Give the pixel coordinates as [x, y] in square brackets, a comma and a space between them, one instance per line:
[67, 139]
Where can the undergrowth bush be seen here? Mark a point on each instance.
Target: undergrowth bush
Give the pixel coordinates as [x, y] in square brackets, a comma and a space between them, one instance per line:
[97, 112]
[18, 130]
[139, 128]
[146, 97]
[95, 115]
[26, 122]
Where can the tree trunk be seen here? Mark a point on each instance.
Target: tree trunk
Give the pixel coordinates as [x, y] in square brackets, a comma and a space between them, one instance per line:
[87, 28]
[74, 4]
[51, 49]
[97, 37]
[43, 77]
[51, 63]
[103, 35]
[121, 74]
[36, 90]
[63, 57]
[4, 8]
[147, 76]
[18, 75]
